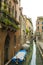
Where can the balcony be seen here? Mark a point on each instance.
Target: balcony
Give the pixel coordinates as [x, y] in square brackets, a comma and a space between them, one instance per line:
[38, 33]
[8, 21]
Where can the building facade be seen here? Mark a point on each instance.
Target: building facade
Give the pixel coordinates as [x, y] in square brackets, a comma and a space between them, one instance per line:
[9, 29]
[39, 27]
[29, 28]
[22, 27]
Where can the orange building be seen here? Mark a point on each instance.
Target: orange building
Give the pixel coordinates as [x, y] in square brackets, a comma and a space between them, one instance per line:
[39, 27]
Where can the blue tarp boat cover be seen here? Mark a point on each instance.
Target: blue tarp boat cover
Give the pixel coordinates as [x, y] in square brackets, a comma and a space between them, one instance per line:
[20, 56]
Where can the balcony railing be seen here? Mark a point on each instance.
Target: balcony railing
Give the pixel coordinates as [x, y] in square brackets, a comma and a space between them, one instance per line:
[7, 20]
[6, 13]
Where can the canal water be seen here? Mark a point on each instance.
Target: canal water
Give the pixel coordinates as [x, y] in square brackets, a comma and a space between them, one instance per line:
[33, 60]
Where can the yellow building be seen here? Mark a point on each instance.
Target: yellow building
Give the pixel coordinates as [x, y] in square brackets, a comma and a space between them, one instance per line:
[29, 28]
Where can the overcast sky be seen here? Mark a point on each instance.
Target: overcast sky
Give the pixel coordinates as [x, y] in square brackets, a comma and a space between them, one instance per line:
[32, 8]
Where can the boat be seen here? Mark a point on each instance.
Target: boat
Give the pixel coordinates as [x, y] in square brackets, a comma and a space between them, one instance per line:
[19, 56]
[25, 46]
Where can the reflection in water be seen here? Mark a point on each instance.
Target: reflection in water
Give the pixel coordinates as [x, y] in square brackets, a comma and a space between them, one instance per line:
[33, 61]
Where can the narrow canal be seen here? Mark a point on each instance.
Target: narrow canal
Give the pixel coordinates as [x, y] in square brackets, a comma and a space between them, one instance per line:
[25, 62]
[33, 60]
[36, 58]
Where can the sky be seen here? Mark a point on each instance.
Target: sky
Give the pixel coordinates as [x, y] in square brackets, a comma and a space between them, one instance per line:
[32, 9]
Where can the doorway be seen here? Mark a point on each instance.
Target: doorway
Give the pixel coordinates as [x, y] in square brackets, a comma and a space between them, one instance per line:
[6, 48]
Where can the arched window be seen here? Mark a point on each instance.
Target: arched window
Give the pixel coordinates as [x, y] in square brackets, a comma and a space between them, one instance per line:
[9, 7]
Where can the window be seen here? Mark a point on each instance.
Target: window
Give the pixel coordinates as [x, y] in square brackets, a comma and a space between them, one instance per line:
[16, 1]
[5, 4]
[29, 28]
[9, 7]
[0, 3]
[42, 27]
[19, 18]
[5, 1]
[42, 22]
[15, 14]
[14, 39]
[38, 27]
[38, 22]
[12, 10]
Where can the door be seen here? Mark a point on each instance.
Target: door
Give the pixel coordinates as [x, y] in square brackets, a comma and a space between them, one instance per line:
[6, 48]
